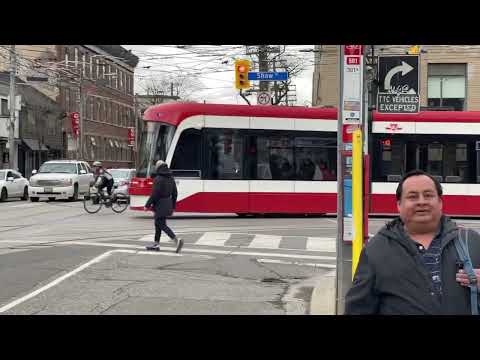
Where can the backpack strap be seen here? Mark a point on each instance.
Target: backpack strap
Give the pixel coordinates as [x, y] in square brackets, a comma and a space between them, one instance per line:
[463, 253]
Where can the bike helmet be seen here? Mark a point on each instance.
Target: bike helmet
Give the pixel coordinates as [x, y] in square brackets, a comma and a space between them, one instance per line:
[97, 163]
[159, 164]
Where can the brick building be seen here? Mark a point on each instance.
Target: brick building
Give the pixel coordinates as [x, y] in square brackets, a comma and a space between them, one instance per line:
[105, 73]
[449, 75]
[107, 78]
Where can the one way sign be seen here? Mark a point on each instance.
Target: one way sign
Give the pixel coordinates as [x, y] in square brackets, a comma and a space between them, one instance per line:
[398, 84]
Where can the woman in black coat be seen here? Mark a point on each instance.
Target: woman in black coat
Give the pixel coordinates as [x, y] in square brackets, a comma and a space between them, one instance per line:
[163, 201]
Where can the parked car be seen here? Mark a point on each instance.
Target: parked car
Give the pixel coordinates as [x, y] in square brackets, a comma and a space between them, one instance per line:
[60, 179]
[121, 180]
[12, 184]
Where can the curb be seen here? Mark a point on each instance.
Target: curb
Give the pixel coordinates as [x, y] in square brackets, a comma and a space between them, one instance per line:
[323, 295]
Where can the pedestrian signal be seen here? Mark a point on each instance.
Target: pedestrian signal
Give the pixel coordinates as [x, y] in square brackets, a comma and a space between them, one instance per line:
[242, 67]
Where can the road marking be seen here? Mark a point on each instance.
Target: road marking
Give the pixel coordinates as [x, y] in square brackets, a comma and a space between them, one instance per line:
[213, 239]
[212, 251]
[55, 282]
[325, 244]
[26, 205]
[265, 241]
[76, 271]
[274, 261]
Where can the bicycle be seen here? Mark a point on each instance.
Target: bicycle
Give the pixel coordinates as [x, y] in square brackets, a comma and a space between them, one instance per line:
[93, 202]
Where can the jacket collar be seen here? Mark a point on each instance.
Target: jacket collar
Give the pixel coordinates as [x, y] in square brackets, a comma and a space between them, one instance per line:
[395, 230]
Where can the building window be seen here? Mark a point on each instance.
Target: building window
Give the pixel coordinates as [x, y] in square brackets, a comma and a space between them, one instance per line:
[90, 65]
[83, 63]
[99, 110]
[4, 109]
[76, 58]
[447, 86]
[121, 79]
[109, 112]
[67, 57]
[67, 100]
[110, 81]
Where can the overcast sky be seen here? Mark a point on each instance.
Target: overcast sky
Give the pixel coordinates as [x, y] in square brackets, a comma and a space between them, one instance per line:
[212, 66]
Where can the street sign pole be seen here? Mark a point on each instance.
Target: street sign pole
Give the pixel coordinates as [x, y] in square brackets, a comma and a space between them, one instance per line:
[350, 119]
[340, 284]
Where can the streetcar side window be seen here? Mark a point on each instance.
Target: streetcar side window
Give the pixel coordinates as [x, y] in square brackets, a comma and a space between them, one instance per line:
[224, 154]
[275, 158]
[307, 156]
[450, 159]
[186, 160]
[316, 158]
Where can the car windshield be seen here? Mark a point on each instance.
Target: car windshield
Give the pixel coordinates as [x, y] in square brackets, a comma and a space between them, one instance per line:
[2, 175]
[119, 174]
[63, 168]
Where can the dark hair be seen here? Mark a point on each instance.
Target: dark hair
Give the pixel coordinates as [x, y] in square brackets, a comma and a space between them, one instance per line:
[417, 173]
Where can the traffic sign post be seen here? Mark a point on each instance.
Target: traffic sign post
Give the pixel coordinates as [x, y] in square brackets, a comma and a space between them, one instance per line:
[264, 98]
[398, 84]
[350, 119]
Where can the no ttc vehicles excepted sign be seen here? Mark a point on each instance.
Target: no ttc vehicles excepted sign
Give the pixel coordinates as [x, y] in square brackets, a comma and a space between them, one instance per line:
[398, 90]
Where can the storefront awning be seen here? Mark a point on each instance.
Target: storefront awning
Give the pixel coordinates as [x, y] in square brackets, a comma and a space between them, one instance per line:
[34, 145]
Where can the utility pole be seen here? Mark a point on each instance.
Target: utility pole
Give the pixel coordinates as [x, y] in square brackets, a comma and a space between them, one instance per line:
[263, 65]
[11, 132]
[275, 88]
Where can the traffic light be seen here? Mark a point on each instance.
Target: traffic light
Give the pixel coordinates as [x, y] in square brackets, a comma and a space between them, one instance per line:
[242, 67]
[414, 50]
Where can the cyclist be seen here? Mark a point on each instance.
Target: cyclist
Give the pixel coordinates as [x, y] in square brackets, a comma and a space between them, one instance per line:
[103, 179]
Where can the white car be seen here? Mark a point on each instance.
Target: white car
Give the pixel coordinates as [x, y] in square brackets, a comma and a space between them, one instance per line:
[121, 180]
[12, 184]
[60, 179]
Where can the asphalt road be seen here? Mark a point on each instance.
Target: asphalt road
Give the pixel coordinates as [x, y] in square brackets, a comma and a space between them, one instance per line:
[57, 259]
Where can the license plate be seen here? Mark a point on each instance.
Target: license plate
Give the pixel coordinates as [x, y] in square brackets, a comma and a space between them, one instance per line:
[48, 190]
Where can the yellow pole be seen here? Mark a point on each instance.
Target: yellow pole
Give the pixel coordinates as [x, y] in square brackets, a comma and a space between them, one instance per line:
[357, 197]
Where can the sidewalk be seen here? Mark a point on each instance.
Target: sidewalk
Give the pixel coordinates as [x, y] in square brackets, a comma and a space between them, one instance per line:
[323, 296]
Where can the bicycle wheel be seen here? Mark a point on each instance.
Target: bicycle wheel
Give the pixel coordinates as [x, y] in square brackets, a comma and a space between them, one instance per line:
[120, 203]
[92, 203]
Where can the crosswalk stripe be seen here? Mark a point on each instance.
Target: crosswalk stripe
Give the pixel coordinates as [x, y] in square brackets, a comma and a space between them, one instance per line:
[297, 263]
[265, 241]
[260, 241]
[213, 239]
[321, 244]
[208, 251]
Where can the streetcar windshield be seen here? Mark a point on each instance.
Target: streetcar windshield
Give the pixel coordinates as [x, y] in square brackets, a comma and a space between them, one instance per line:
[155, 141]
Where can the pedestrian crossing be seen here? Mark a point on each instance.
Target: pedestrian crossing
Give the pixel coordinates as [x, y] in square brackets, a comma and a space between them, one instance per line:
[252, 241]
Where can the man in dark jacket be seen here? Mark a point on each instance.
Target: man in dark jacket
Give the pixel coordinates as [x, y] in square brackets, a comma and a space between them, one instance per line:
[163, 201]
[411, 265]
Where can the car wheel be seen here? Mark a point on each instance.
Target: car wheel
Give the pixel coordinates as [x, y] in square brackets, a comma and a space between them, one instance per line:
[25, 193]
[34, 199]
[4, 195]
[51, 199]
[75, 193]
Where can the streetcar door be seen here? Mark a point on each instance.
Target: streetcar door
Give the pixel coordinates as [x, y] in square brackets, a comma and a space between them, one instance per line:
[186, 168]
